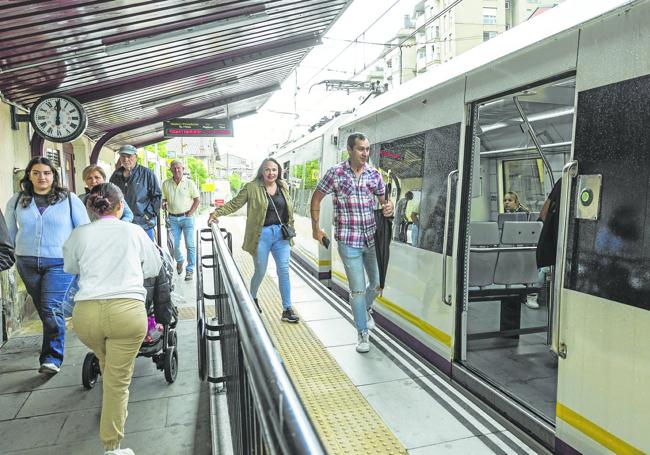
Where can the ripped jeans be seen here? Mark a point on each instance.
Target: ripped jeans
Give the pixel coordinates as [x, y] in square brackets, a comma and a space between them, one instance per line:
[355, 260]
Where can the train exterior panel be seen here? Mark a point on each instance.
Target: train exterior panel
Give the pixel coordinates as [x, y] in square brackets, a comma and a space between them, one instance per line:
[560, 350]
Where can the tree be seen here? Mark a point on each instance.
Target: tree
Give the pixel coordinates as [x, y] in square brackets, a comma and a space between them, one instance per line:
[235, 182]
[197, 170]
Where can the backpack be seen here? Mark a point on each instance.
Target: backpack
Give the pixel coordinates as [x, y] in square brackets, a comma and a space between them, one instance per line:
[547, 243]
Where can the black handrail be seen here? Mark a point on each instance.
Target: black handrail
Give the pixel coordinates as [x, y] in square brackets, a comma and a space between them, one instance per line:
[266, 414]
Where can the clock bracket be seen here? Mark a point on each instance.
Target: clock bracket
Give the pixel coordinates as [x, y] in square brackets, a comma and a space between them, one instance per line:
[17, 118]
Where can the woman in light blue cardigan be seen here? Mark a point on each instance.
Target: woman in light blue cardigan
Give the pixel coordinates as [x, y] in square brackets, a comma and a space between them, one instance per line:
[40, 218]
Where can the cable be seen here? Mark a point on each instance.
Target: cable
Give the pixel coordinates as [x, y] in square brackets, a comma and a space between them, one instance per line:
[350, 44]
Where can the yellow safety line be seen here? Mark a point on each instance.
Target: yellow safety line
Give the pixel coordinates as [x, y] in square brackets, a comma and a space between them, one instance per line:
[313, 258]
[427, 328]
[595, 432]
[345, 421]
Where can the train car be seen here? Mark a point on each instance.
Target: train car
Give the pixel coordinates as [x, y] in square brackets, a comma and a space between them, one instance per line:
[558, 102]
[303, 162]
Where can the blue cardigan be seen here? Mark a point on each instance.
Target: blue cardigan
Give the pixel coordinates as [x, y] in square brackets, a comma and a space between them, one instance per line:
[43, 235]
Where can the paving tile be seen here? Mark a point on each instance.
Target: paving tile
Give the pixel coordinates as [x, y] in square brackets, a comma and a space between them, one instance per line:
[334, 332]
[189, 409]
[22, 344]
[155, 386]
[71, 398]
[313, 311]
[175, 440]
[28, 433]
[87, 447]
[143, 416]
[369, 368]
[23, 380]
[10, 404]
[18, 362]
[412, 414]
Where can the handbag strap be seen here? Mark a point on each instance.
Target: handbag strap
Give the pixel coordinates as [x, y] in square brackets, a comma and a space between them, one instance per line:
[274, 207]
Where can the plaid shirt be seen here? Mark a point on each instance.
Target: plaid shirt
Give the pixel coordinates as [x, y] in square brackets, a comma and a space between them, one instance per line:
[354, 202]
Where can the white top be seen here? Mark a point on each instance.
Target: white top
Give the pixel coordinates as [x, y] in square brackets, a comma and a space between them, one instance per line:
[179, 197]
[112, 258]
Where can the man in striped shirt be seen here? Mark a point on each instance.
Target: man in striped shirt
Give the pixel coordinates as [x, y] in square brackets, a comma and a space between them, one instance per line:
[355, 187]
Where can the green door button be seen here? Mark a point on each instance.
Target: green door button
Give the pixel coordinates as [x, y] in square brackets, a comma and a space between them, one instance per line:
[586, 196]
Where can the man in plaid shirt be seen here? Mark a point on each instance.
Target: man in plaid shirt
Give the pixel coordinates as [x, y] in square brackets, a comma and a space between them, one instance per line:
[354, 186]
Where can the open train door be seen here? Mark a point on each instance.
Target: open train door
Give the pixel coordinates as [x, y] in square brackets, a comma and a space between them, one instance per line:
[602, 301]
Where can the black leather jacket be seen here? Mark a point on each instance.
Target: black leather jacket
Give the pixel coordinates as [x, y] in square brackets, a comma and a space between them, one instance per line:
[142, 193]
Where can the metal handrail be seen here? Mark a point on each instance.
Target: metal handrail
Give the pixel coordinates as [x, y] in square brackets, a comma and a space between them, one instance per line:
[502, 249]
[282, 419]
[569, 171]
[446, 299]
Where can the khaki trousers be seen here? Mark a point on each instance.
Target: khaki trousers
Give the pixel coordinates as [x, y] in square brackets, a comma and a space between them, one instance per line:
[114, 330]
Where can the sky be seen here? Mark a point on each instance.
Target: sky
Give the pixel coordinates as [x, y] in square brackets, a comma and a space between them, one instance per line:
[302, 102]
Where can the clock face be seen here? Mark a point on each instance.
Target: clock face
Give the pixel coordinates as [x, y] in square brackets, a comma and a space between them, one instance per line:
[58, 118]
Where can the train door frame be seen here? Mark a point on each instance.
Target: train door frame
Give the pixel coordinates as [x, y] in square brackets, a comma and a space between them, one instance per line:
[481, 385]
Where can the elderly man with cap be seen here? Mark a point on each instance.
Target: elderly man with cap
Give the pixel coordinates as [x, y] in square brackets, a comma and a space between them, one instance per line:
[181, 199]
[140, 187]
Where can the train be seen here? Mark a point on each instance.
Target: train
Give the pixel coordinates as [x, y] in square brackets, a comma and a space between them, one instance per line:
[562, 351]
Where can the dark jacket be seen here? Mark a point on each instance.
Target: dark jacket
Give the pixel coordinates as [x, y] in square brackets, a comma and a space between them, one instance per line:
[159, 299]
[142, 194]
[7, 257]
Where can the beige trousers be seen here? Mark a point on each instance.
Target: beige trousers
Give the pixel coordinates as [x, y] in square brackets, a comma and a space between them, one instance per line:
[114, 330]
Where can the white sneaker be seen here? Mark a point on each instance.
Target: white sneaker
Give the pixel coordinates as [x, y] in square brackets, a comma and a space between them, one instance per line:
[370, 321]
[531, 302]
[363, 342]
[49, 368]
[120, 452]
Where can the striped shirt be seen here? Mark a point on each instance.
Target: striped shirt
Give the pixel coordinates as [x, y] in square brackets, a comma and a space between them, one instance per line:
[354, 201]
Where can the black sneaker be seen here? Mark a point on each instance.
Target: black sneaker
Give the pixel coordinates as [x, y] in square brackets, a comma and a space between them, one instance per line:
[179, 267]
[290, 316]
[189, 275]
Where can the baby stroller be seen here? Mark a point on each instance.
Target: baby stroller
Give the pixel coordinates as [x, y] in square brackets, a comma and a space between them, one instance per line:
[161, 342]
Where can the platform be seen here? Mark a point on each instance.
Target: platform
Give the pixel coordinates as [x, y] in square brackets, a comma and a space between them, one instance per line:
[41, 414]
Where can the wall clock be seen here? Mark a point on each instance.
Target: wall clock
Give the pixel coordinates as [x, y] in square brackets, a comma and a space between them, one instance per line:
[58, 118]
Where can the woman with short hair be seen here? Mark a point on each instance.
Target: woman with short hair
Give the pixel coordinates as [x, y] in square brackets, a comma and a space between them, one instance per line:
[94, 175]
[109, 314]
[269, 207]
[40, 218]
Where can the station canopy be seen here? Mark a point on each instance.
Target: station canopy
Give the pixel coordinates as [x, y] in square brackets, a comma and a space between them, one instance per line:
[134, 63]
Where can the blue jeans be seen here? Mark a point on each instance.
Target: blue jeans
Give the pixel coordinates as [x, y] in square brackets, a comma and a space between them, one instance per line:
[47, 283]
[271, 241]
[150, 233]
[355, 260]
[415, 233]
[184, 225]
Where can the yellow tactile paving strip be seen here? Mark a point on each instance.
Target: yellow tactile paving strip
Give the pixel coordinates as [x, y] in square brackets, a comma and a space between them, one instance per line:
[345, 421]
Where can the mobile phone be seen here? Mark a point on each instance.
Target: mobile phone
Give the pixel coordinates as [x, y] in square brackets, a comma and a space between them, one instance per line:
[326, 242]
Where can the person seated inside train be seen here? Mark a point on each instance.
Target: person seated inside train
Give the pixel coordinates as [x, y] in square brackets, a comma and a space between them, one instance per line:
[511, 203]
[414, 213]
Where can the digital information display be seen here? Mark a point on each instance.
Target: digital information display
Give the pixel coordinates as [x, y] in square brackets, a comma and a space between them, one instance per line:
[198, 127]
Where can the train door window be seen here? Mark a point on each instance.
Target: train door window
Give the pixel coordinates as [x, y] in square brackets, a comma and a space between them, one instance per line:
[285, 170]
[526, 179]
[403, 160]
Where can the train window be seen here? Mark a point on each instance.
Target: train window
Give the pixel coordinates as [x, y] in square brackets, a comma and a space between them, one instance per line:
[526, 178]
[302, 182]
[403, 158]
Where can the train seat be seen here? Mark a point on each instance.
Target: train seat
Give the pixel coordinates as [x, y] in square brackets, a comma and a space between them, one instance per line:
[518, 267]
[482, 263]
[515, 216]
[532, 216]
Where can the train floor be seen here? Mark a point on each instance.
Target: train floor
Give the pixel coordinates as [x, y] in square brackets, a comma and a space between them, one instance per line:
[419, 409]
[41, 414]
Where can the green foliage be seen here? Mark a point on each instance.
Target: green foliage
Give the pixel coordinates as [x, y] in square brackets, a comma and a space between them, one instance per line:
[311, 174]
[298, 171]
[197, 170]
[235, 182]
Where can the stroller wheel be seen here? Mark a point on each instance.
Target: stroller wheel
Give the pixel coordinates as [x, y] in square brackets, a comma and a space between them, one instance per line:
[172, 338]
[171, 364]
[90, 371]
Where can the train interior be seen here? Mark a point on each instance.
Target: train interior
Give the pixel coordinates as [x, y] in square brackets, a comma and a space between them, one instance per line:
[506, 328]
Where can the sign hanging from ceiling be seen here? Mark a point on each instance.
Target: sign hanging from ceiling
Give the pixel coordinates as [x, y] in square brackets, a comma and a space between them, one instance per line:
[198, 127]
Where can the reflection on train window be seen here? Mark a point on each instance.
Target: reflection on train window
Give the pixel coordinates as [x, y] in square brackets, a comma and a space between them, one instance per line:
[302, 183]
[403, 158]
[285, 170]
[526, 178]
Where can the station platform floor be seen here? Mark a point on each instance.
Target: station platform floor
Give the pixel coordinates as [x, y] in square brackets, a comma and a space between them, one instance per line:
[385, 401]
[43, 414]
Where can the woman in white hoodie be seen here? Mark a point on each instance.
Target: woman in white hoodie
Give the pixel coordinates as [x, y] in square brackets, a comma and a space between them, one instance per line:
[109, 314]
